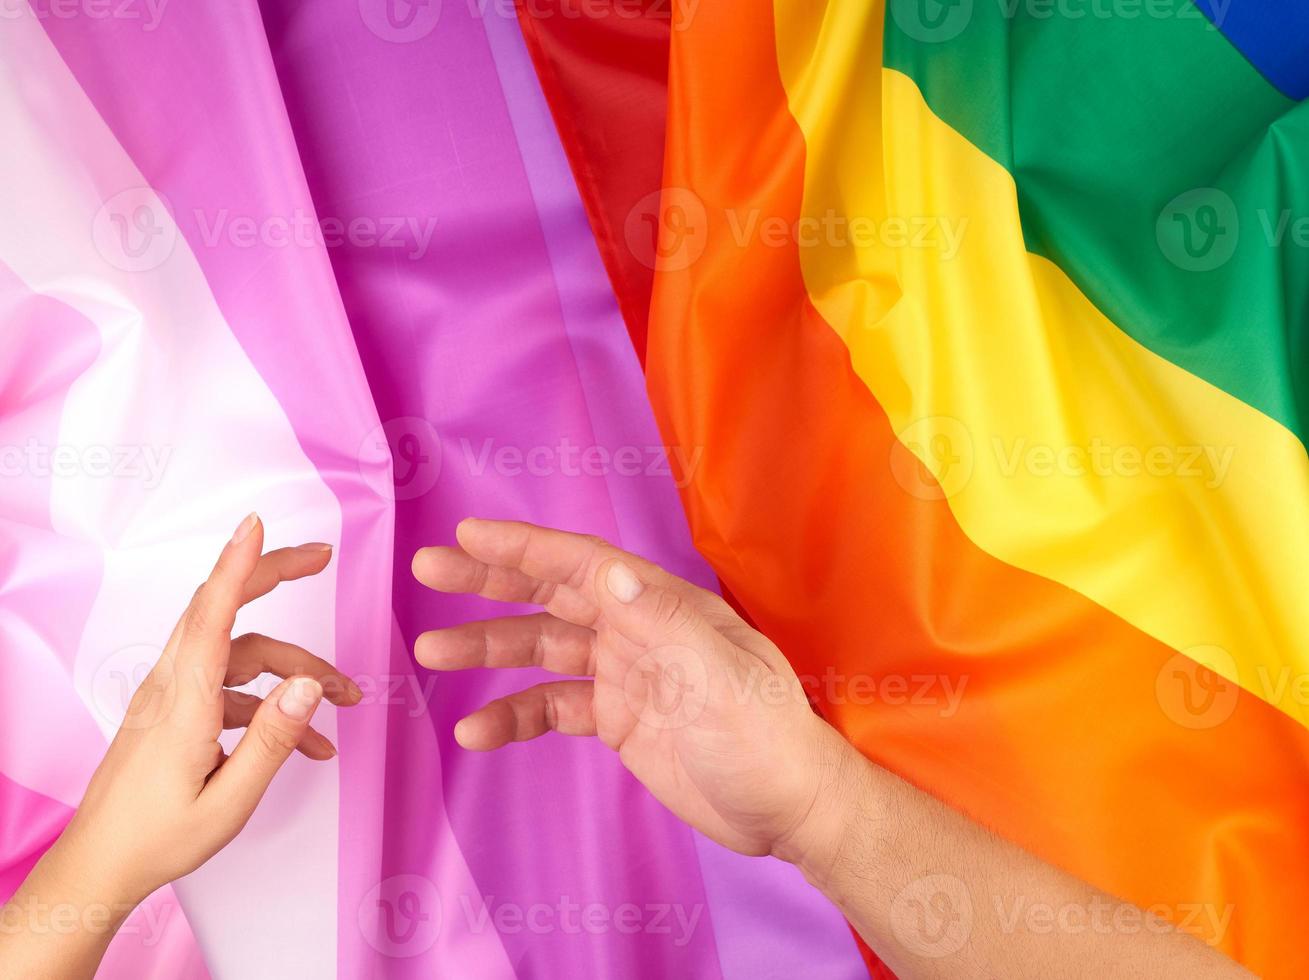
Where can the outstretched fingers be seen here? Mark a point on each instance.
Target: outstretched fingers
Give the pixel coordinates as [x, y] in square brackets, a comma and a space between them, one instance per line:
[285, 565]
[537, 640]
[512, 561]
[239, 711]
[567, 707]
[274, 732]
[204, 634]
[451, 569]
[253, 654]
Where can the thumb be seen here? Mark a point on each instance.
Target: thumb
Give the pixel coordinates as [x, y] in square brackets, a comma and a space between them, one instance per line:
[647, 614]
[270, 738]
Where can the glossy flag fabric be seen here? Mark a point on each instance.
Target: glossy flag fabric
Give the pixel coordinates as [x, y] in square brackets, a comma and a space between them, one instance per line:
[330, 262]
[991, 322]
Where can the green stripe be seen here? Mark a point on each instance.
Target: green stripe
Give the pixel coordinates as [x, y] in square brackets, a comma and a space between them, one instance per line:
[1104, 121]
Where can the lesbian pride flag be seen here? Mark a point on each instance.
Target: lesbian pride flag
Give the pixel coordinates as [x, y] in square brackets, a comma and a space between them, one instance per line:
[330, 262]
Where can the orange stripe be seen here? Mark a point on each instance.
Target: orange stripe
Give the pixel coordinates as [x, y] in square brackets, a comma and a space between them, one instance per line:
[1071, 737]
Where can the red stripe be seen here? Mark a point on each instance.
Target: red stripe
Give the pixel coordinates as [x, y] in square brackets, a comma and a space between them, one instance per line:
[603, 67]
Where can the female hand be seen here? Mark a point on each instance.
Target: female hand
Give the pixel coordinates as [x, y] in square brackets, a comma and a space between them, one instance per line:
[166, 798]
[704, 710]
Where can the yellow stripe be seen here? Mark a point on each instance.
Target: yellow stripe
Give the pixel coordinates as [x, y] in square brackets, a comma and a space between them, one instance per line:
[1064, 447]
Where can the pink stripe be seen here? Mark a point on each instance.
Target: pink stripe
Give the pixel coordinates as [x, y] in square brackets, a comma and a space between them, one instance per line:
[47, 581]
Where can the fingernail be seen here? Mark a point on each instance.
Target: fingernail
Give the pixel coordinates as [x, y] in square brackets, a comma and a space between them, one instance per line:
[245, 527]
[300, 698]
[327, 745]
[315, 546]
[353, 692]
[623, 583]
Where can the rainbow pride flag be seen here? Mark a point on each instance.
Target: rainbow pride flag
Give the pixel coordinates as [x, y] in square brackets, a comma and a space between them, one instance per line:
[990, 322]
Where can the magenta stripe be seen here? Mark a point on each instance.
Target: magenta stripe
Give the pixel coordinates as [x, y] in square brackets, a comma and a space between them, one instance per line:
[29, 824]
[767, 920]
[468, 334]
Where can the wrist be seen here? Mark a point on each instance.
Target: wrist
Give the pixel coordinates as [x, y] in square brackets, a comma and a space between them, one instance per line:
[61, 920]
[842, 803]
[79, 870]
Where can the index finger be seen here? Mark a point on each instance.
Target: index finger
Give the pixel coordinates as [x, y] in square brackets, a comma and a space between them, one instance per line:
[562, 558]
[205, 633]
[542, 553]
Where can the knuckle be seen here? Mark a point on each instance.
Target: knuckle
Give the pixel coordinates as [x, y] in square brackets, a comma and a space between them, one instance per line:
[150, 688]
[275, 741]
[672, 613]
[198, 619]
[203, 757]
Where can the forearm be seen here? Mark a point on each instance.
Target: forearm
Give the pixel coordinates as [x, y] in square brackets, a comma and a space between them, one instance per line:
[936, 895]
[60, 921]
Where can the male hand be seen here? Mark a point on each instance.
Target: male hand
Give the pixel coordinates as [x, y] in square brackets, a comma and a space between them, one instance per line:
[701, 708]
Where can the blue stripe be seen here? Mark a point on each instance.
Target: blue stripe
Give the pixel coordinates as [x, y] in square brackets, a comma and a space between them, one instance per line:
[1272, 34]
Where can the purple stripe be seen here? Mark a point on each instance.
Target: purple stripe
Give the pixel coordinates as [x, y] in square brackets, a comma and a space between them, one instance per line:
[468, 334]
[767, 920]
